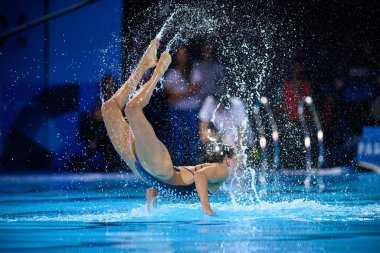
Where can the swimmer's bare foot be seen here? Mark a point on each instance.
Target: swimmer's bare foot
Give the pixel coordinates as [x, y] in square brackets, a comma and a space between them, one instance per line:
[143, 95]
[164, 62]
[151, 195]
[149, 58]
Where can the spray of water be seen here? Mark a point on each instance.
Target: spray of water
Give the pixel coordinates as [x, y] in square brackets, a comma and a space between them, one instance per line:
[164, 27]
[254, 48]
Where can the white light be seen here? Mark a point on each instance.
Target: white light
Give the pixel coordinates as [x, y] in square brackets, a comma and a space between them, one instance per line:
[307, 142]
[320, 135]
[217, 148]
[308, 100]
[264, 100]
[212, 139]
[263, 142]
[376, 149]
[275, 135]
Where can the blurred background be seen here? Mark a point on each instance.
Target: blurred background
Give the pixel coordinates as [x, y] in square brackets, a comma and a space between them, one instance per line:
[54, 75]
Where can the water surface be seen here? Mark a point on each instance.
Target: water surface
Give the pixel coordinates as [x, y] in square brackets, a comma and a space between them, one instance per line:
[107, 213]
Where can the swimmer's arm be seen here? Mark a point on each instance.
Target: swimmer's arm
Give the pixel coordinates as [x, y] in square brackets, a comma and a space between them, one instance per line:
[202, 178]
[202, 189]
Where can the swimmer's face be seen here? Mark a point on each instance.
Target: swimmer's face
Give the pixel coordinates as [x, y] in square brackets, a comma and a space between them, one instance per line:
[181, 56]
[298, 70]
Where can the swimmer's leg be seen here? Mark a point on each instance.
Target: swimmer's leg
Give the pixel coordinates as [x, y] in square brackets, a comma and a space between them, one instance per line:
[117, 128]
[150, 151]
[151, 197]
[148, 61]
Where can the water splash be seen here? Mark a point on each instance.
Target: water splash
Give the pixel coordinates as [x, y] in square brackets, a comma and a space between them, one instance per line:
[164, 27]
[296, 210]
[250, 47]
[254, 49]
[176, 39]
[188, 22]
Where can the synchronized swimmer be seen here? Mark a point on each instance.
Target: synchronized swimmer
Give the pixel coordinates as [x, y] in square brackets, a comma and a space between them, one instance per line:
[136, 142]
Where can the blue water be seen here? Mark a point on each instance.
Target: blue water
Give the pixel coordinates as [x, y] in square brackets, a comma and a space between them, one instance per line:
[107, 213]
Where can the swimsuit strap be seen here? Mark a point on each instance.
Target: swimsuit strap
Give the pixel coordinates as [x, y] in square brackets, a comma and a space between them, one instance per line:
[195, 169]
[189, 170]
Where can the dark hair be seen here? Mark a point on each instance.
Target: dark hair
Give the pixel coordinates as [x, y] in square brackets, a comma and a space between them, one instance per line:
[217, 152]
[108, 86]
[188, 64]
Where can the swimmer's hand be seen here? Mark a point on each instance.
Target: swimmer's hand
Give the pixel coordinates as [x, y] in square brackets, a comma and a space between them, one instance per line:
[209, 211]
[201, 183]
[149, 59]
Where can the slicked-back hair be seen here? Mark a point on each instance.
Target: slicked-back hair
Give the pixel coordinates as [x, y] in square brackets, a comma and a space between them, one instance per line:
[217, 152]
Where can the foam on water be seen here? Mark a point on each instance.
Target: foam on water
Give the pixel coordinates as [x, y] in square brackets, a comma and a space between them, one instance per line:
[296, 210]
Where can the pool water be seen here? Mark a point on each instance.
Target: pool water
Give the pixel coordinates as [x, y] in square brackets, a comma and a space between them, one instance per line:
[107, 213]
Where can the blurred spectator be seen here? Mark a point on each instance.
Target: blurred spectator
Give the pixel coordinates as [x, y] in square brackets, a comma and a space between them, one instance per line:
[186, 89]
[184, 103]
[99, 154]
[350, 109]
[207, 72]
[93, 132]
[333, 115]
[224, 119]
[358, 96]
[295, 89]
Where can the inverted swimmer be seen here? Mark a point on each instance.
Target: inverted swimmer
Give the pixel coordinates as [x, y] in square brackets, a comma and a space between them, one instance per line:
[148, 158]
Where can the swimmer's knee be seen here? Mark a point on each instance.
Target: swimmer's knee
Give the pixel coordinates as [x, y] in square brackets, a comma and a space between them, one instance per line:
[108, 107]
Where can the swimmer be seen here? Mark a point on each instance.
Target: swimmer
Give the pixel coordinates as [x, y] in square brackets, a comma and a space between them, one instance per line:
[136, 142]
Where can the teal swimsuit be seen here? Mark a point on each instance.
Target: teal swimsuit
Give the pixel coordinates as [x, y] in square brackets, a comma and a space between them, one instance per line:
[168, 191]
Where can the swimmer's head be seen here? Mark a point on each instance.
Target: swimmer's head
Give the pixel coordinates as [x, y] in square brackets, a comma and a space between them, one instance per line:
[219, 152]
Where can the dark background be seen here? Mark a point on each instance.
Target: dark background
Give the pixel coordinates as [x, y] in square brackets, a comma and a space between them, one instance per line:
[50, 73]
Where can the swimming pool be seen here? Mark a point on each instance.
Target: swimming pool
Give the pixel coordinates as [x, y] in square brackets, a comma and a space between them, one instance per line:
[107, 213]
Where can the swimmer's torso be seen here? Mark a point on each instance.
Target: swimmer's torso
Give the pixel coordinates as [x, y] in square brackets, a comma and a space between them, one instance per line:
[182, 187]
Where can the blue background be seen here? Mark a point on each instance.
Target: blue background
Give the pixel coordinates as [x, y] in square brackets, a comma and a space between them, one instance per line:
[82, 46]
